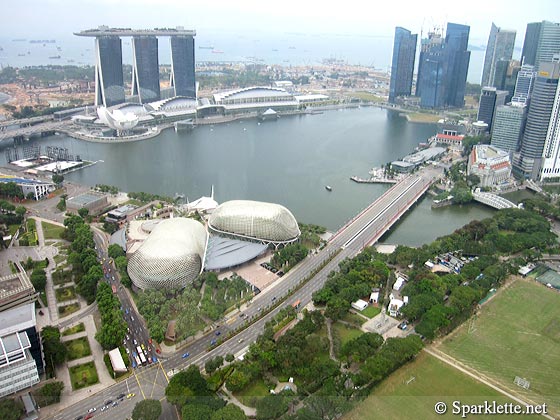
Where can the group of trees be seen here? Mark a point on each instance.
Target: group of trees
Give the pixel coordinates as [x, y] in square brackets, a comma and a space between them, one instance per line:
[85, 266]
[147, 197]
[355, 280]
[53, 349]
[111, 189]
[288, 256]
[190, 392]
[158, 307]
[119, 257]
[147, 410]
[39, 279]
[11, 409]
[49, 393]
[310, 234]
[221, 295]
[113, 326]
[11, 190]
[441, 302]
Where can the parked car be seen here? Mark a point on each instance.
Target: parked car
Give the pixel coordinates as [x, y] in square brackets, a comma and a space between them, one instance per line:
[185, 355]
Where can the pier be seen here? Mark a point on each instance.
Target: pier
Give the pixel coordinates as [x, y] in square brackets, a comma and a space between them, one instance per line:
[373, 180]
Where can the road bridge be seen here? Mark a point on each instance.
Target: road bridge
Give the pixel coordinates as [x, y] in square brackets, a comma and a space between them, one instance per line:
[26, 131]
[493, 200]
[26, 121]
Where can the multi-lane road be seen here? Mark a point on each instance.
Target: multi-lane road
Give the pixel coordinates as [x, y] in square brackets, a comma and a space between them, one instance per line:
[363, 230]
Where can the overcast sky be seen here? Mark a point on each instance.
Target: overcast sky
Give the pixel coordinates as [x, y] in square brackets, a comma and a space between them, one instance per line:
[56, 18]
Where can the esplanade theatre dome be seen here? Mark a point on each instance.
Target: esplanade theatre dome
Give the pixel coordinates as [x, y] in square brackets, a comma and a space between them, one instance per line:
[266, 222]
[171, 257]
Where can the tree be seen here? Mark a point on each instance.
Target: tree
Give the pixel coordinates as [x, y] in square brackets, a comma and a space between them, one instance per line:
[83, 212]
[196, 412]
[53, 349]
[147, 410]
[10, 409]
[20, 211]
[57, 179]
[114, 251]
[212, 364]
[50, 392]
[61, 206]
[271, 407]
[229, 412]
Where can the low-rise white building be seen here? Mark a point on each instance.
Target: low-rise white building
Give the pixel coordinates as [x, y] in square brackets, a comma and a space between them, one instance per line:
[395, 306]
[359, 305]
[490, 164]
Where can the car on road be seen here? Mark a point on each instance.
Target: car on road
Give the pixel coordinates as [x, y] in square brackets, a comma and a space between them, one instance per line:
[154, 359]
[132, 394]
[143, 346]
[240, 340]
[115, 403]
[108, 402]
[127, 350]
[403, 325]
[121, 396]
[92, 410]
[185, 355]
[213, 342]
[135, 342]
[89, 416]
[149, 360]
[79, 418]
[218, 333]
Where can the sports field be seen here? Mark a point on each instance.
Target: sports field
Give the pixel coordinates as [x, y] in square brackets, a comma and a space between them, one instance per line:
[517, 333]
[429, 381]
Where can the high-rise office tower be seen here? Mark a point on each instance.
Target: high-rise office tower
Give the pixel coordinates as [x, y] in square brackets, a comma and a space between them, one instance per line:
[508, 125]
[182, 66]
[443, 67]
[402, 66]
[539, 118]
[524, 84]
[458, 57]
[550, 167]
[499, 49]
[542, 42]
[145, 68]
[490, 99]
[109, 87]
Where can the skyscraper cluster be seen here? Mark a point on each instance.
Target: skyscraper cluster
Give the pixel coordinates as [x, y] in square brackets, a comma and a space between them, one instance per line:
[527, 123]
[109, 83]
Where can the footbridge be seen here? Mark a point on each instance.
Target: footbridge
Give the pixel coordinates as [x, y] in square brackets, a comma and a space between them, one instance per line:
[493, 200]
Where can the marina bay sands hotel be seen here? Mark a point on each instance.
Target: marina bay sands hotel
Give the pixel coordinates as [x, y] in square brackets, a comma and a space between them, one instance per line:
[109, 86]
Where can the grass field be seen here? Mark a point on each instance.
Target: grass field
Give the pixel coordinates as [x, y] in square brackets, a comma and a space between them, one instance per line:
[371, 311]
[433, 381]
[250, 395]
[74, 330]
[51, 231]
[83, 375]
[420, 117]
[78, 348]
[517, 333]
[344, 333]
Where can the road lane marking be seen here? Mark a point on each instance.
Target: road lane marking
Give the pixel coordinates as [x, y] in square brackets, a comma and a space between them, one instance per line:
[139, 386]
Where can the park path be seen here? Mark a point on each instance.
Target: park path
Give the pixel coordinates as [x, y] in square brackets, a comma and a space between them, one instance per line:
[477, 376]
[49, 288]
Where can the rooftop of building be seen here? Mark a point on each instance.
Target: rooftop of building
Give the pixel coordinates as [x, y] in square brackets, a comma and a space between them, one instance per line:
[14, 288]
[489, 152]
[106, 31]
[21, 181]
[252, 92]
[86, 198]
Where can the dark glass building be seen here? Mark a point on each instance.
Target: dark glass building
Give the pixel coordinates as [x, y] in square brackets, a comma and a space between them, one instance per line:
[402, 66]
[498, 54]
[490, 99]
[542, 42]
[145, 70]
[443, 67]
[182, 66]
[108, 71]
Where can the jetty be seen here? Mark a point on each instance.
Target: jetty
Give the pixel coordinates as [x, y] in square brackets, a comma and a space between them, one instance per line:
[374, 180]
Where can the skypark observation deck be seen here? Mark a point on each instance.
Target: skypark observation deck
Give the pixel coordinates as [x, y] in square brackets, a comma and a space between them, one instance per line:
[106, 31]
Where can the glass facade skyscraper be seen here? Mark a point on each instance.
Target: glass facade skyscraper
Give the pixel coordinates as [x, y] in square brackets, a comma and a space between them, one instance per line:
[539, 117]
[109, 87]
[490, 99]
[182, 66]
[507, 129]
[443, 67]
[498, 53]
[402, 66]
[542, 42]
[145, 68]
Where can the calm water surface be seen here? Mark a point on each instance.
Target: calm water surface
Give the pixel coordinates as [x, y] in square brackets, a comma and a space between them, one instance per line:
[289, 161]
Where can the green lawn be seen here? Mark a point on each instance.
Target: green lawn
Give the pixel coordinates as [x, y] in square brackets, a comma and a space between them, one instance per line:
[250, 395]
[68, 309]
[517, 333]
[371, 311]
[74, 330]
[61, 276]
[344, 333]
[354, 319]
[78, 348]
[51, 231]
[429, 381]
[83, 375]
[59, 258]
[65, 293]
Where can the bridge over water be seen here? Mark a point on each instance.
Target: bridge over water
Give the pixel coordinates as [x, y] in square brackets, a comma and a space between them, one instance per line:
[493, 200]
[29, 130]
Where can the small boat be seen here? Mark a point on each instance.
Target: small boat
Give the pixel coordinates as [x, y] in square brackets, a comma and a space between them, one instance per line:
[328, 187]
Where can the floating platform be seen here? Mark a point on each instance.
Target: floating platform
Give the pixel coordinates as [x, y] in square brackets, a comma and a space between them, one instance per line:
[373, 180]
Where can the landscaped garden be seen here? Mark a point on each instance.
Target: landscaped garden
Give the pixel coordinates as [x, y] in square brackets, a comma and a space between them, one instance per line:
[78, 348]
[74, 330]
[83, 375]
[68, 309]
[65, 293]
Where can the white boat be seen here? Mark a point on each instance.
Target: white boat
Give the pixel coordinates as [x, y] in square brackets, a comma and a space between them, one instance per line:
[328, 187]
